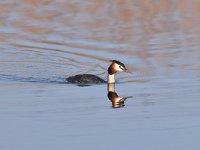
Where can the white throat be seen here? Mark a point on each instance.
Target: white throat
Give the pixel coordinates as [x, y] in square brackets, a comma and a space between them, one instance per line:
[111, 78]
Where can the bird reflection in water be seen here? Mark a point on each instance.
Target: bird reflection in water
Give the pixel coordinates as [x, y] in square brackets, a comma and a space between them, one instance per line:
[117, 101]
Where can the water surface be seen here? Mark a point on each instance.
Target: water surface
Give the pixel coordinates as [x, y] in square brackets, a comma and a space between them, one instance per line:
[43, 42]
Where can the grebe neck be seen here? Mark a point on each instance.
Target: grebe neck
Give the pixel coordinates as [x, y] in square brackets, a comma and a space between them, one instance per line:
[111, 78]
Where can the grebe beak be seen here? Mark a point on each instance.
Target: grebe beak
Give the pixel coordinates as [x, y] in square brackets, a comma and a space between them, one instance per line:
[125, 69]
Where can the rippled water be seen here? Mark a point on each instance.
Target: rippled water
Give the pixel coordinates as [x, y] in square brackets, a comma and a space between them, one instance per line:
[43, 41]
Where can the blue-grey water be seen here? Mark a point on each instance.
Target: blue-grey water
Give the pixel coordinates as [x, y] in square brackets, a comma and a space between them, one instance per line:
[44, 41]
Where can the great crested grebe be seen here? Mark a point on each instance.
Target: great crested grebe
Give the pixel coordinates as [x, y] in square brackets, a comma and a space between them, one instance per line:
[89, 78]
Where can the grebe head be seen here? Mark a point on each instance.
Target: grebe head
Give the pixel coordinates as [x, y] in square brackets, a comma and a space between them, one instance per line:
[116, 66]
